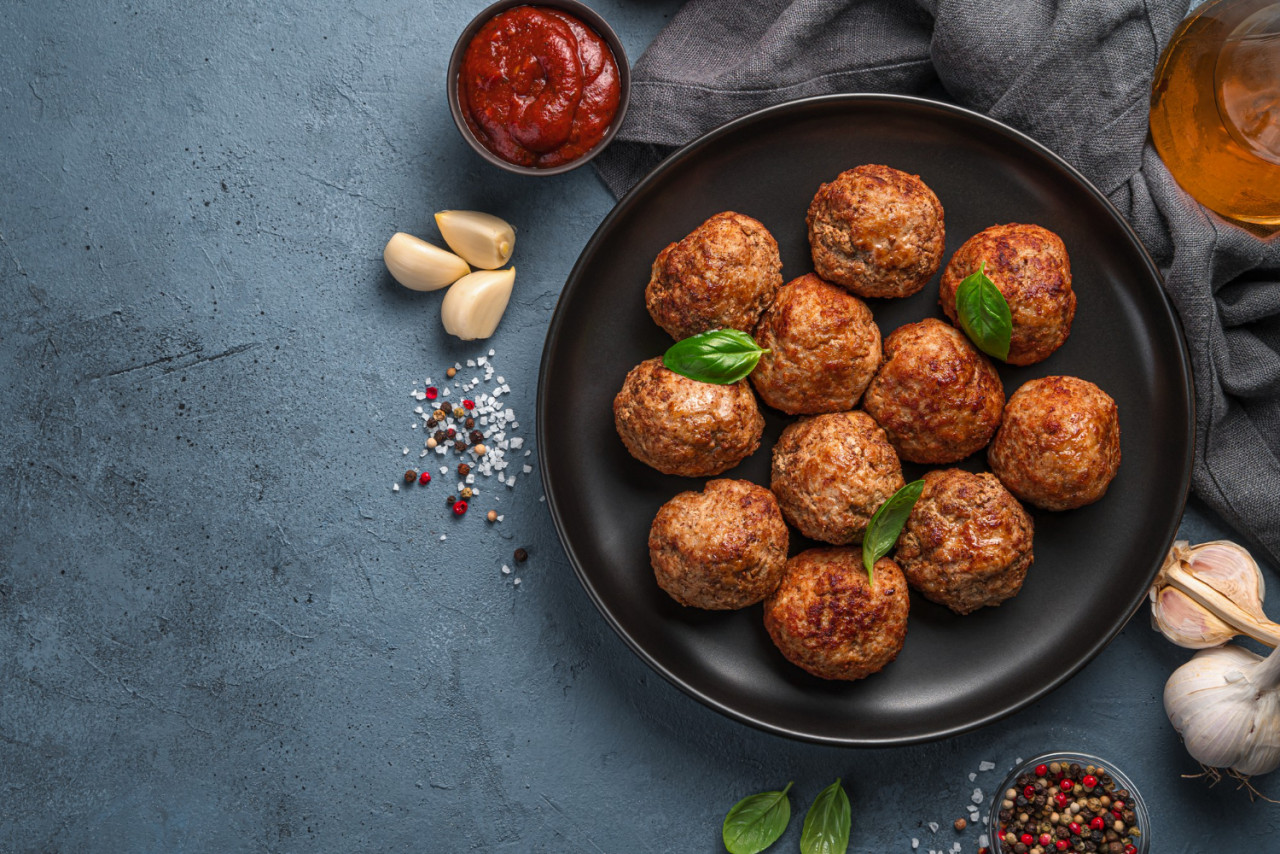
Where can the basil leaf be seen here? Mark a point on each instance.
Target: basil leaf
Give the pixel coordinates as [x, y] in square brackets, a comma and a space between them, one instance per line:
[886, 524]
[826, 826]
[984, 314]
[721, 356]
[755, 822]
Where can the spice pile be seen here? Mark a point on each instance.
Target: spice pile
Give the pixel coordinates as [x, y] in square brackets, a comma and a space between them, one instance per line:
[1067, 807]
[475, 432]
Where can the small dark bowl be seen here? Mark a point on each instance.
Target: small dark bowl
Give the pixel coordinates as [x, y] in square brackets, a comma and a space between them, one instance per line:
[582, 12]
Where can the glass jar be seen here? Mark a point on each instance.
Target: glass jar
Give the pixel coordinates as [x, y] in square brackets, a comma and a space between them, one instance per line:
[1215, 108]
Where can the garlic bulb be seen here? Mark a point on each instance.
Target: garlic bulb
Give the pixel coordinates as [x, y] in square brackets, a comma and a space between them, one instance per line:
[1207, 594]
[484, 240]
[475, 304]
[419, 266]
[1226, 705]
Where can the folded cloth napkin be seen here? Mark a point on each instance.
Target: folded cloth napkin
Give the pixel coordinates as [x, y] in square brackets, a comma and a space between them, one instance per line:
[1076, 76]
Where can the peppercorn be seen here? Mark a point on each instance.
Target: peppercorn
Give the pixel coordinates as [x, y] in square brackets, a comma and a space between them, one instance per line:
[432, 443]
[463, 469]
[459, 412]
[460, 445]
[960, 824]
[468, 404]
[521, 555]
[476, 435]
[469, 423]
[481, 450]
[467, 492]
[459, 508]
[431, 422]
[450, 433]
[492, 515]
[439, 415]
[410, 476]
[451, 500]
[424, 478]
[440, 436]
[451, 373]
[432, 392]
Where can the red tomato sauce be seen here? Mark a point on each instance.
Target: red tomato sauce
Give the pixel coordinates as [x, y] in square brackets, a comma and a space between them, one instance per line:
[538, 87]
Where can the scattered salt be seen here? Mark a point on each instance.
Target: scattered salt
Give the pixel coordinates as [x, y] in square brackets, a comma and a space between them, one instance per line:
[933, 827]
[915, 843]
[972, 776]
[984, 765]
[443, 537]
[977, 796]
[527, 469]
[982, 841]
[395, 487]
[404, 451]
[506, 570]
[516, 582]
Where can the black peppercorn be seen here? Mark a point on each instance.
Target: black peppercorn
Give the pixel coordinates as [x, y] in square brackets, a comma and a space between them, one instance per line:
[521, 555]
[469, 423]
[463, 469]
[477, 436]
[410, 476]
[439, 436]
[451, 500]
[460, 445]
[431, 422]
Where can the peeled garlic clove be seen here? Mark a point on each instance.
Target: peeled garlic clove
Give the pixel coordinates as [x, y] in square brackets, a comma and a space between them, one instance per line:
[474, 305]
[484, 240]
[419, 266]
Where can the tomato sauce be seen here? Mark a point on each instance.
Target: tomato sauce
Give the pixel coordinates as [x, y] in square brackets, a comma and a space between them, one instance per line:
[538, 87]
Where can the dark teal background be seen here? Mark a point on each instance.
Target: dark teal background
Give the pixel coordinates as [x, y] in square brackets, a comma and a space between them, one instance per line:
[220, 630]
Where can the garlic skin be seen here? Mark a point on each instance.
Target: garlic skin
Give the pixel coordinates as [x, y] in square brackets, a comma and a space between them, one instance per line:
[475, 304]
[1205, 595]
[420, 266]
[1226, 705]
[483, 240]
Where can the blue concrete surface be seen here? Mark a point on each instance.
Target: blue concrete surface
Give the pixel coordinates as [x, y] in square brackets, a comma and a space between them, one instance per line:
[220, 628]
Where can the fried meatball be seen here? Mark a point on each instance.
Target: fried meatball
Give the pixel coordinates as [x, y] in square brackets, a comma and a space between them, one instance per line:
[967, 542]
[1059, 445]
[832, 472]
[938, 398]
[876, 231]
[685, 427]
[828, 618]
[721, 276]
[823, 348]
[722, 548]
[1029, 265]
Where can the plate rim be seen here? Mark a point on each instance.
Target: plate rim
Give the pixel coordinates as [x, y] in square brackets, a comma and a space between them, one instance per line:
[574, 281]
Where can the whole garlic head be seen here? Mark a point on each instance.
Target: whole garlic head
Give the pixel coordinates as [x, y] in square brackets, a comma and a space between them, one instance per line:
[1225, 702]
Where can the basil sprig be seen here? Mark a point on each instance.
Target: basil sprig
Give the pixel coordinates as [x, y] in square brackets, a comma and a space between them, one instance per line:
[826, 826]
[984, 314]
[755, 822]
[721, 356]
[886, 524]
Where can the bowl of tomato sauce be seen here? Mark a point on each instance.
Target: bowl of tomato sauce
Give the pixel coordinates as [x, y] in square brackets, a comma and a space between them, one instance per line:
[538, 88]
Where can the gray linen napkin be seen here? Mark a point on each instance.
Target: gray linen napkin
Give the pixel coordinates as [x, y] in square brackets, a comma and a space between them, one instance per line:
[1076, 76]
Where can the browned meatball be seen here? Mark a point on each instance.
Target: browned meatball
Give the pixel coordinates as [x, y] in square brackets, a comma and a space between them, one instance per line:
[823, 348]
[876, 231]
[1059, 445]
[967, 542]
[1029, 265]
[721, 276]
[938, 398]
[685, 427]
[832, 472]
[722, 548]
[830, 619]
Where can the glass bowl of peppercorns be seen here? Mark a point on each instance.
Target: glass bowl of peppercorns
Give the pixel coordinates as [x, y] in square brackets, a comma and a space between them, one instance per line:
[1068, 802]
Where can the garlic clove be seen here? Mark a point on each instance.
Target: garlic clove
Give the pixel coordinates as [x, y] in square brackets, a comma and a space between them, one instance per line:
[1202, 593]
[484, 240]
[475, 304]
[420, 266]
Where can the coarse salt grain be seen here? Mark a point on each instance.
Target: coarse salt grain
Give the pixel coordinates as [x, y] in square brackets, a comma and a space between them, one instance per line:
[972, 776]
[516, 582]
[443, 537]
[526, 469]
[984, 765]
[915, 843]
[977, 796]
[395, 487]
[506, 570]
[982, 841]
[933, 827]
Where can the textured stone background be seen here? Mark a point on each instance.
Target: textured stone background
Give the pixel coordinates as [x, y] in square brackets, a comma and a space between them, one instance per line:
[220, 629]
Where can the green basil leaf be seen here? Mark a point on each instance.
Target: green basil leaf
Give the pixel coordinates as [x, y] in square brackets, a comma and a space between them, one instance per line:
[886, 524]
[984, 314]
[826, 826]
[756, 822]
[721, 356]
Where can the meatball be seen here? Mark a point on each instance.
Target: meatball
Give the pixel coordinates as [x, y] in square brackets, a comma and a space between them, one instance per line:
[876, 231]
[823, 348]
[828, 618]
[832, 472]
[938, 398]
[967, 542]
[685, 427]
[722, 548]
[1030, 267]
[721, 276]
[1059, 445]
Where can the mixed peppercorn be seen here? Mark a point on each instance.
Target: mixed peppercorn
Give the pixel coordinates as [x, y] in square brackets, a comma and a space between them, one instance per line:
[1063, 806]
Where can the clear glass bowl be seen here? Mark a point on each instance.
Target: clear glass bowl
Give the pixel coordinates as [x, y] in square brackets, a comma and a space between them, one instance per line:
[1142, 843]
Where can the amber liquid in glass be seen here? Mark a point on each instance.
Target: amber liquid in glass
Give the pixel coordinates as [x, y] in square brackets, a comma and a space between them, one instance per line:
[1215, 108]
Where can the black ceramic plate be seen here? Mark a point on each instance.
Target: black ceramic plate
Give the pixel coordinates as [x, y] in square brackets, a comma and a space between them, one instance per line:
[1093, 565]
